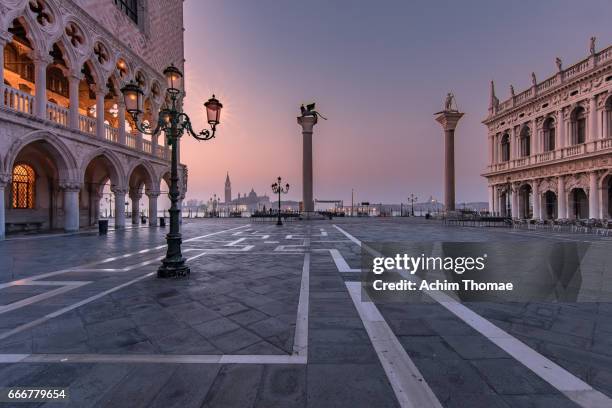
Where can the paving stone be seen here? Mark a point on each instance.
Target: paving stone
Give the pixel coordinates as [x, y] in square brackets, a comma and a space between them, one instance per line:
[474, 347]
[282, 386]
[216, 327]
[234, 340]
[235, 386]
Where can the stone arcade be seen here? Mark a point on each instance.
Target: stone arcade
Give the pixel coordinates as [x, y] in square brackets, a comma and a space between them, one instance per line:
[550, 146]
[64, 132]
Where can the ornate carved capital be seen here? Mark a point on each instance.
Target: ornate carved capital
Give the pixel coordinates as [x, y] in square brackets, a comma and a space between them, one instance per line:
[5, 179]
[70, 185]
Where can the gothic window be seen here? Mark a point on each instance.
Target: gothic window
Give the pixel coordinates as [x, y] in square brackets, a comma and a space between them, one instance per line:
[549, 135]
[505, 148]
[24, 182]
[525, 142]
[578, 125]
[101, 53]
[130, 8]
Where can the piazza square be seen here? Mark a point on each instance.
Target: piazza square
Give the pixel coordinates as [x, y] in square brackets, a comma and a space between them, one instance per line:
[317, 204]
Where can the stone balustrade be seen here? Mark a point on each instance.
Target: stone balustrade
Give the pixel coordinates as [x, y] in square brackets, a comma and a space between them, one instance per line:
[595, 146]
[22, 102]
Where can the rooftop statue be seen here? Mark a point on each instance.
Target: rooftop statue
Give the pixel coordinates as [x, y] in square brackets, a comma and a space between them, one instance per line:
[592, 45]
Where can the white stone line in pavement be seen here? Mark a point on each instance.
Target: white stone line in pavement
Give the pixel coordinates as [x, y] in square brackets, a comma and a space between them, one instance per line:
[571, 386]
[154, 358]
[300, 341]
[66, 309]
[107, 260]
[411, 389]
[42, 296]
[341, 263]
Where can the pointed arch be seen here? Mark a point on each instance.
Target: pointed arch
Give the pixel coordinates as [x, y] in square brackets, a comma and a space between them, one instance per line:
[63, 157]
[141, 172]
[116, 170]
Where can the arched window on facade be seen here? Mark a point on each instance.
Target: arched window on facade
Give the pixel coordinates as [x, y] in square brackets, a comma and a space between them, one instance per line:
[24, 183]
[525, 142]
[578, 125]
[549, 135]
[505, 148]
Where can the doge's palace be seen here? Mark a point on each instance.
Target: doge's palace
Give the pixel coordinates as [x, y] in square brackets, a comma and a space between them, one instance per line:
[65, 137]
[550, 146]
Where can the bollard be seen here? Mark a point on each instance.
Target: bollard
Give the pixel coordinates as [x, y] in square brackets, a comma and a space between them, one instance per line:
[162, 221]
[103, 227]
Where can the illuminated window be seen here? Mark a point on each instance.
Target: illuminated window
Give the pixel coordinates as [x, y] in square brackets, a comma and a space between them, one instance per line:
[24, 180]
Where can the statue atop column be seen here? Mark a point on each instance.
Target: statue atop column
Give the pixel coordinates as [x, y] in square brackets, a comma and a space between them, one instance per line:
[592, 45]
[309, 110]
[449, 102]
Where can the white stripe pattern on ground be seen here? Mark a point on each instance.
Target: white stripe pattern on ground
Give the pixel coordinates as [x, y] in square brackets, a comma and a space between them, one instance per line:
[573, 387]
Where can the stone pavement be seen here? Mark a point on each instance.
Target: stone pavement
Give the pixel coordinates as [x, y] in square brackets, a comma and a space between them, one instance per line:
[268, 319]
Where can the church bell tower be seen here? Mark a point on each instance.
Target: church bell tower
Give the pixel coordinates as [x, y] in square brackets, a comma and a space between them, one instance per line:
[228, 189]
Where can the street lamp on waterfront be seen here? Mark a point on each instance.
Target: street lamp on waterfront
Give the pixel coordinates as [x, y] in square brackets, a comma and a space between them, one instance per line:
[173, 122]
[412, 199]
[277, 188]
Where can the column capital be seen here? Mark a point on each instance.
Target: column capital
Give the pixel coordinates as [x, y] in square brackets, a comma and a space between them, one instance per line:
[40, 58]
[307, 122]
[5, 179]
[152, 194]
[5, 37]
[135, 196]
[75, 76]
[118, 190]
[69, 185]
[100, 90]
[448, 119]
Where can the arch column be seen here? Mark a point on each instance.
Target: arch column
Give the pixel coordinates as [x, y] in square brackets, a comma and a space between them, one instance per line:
[71, 205]
[561, 198]
[74, 79]
[491, 199]
[4, 181]
[40, 78]
[515, 203]
[5, 38]
[592, 135]
[100, 130]
[537, 202]
[121, 119]
[593, 196]
[560, 131]
[135, 197]
[152, 195]
[119, 207]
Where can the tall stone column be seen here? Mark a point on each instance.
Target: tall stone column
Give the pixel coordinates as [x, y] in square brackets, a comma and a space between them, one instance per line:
[100, 129]
[448, 120]
[73, 90]
[153, 195]
[119, 207]
[307, 123]
[135, 197]
[4, 181]
[593, 196]
[71, 206]
[491, 199]
[40, 78]
[561, 198]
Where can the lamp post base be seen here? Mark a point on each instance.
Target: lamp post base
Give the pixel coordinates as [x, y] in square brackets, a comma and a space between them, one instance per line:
[279, 222]
[173, 269]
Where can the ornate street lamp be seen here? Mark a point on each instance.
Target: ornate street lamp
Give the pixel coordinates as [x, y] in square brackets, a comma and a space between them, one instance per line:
[277, 188]
[173, 123]
[412, 199]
